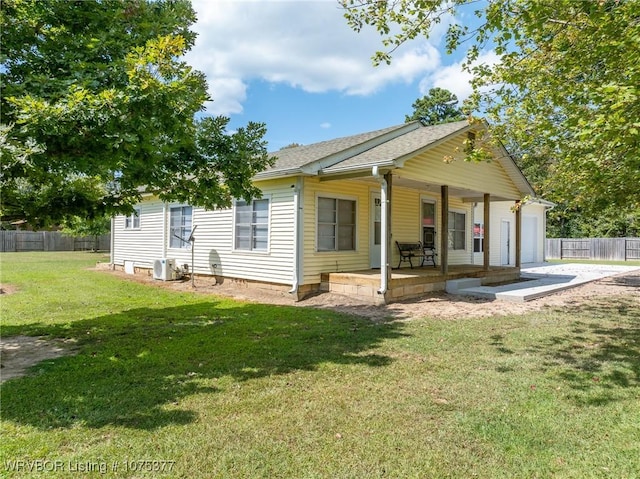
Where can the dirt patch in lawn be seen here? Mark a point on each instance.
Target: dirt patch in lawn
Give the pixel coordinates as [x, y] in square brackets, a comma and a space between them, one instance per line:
[18, 353]
[7, 289]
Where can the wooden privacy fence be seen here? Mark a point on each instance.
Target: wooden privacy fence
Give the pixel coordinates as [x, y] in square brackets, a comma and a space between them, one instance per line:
[17, 241]
[607, 249]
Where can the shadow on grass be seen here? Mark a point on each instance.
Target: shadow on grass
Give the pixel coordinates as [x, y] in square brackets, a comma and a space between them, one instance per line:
[132, 368]
[599, 358]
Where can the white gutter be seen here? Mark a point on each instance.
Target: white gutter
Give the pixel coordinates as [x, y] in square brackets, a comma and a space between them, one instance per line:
[384, 231]
[390, 163]
[297, 234]
[165, 228]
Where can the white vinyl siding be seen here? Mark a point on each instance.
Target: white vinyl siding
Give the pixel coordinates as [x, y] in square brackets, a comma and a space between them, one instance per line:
[214, 239]
[251, 228]
[144, 244]
[215, 245]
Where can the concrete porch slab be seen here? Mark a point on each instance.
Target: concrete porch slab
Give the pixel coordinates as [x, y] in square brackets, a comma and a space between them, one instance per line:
[545, 279]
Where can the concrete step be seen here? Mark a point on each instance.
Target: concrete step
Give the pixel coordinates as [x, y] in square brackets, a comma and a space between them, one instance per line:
[453, 286]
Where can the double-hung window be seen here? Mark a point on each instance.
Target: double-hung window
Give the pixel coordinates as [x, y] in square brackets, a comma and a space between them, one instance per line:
[252, 225]
[457, 230]
[181, 219]
[132, 222]
[336, 224]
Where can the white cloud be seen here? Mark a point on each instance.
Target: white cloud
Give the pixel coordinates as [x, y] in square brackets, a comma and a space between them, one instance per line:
[454, 78]
[307, 45]
[325, 125]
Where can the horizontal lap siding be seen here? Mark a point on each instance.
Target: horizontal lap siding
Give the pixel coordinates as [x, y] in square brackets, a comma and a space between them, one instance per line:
[405, 225]
[316, 262]
[214, 240]
[431, 167]
[406, 219]
[142, 245]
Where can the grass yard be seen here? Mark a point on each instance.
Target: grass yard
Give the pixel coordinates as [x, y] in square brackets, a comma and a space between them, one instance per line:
[168, 384]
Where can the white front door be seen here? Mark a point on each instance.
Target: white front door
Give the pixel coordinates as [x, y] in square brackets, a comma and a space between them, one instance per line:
[375, 230]
[505, 243]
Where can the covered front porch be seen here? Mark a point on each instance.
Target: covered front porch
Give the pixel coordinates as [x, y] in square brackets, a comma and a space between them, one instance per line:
[413, 192]
[411, 283]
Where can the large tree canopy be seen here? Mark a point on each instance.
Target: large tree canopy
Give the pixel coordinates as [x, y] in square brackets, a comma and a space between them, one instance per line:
[97, 105]
[566, 89]
[436, 107]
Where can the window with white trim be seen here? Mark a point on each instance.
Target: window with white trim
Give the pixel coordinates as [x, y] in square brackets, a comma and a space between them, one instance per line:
[336, 224]
[251, 225]
[132, 221]
[180, 224]
[457, 230]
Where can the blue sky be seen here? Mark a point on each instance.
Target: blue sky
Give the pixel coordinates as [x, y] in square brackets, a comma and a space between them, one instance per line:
[299, 68]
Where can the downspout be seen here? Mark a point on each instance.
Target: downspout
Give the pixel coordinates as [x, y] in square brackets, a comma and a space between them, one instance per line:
[165, 228]
[384, 231]
[297, 235]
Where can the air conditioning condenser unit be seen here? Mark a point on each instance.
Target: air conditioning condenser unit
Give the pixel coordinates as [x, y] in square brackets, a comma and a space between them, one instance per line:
[164, 269]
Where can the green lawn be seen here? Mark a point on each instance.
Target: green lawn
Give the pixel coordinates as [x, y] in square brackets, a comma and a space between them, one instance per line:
[209, 387]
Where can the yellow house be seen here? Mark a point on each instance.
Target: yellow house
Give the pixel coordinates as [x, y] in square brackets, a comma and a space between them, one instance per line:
[357, 215]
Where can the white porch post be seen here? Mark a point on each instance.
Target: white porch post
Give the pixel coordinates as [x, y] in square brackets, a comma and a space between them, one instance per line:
[385, 222]
[384, 226]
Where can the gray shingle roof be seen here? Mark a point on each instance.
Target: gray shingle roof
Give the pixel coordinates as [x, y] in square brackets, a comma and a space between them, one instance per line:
[400, 146]
[386, 147]
[298, 157]
[363, 149]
